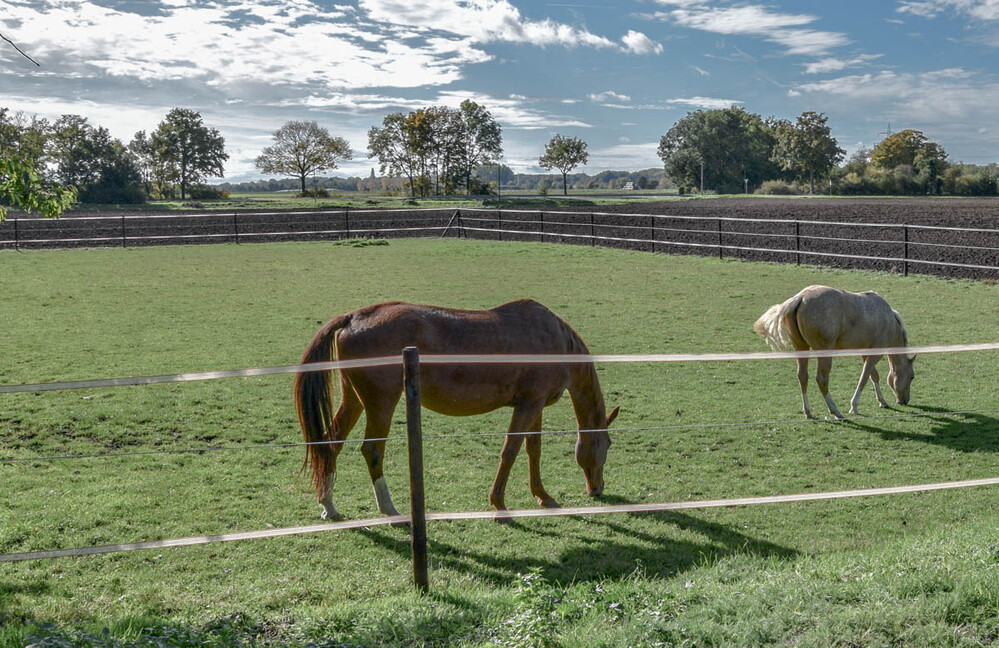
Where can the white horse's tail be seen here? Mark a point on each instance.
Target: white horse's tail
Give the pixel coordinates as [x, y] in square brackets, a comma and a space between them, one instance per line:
[772, 325]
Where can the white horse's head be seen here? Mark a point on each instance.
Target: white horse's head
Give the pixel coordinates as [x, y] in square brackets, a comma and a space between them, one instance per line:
[900, 375]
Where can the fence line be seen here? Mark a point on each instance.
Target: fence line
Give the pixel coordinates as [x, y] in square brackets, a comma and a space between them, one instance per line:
[539, 358]
[246, 226]
[495, 515]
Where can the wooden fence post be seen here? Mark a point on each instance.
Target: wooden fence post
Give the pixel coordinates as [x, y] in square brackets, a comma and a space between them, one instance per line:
[905, 250]
[235, 227]
[797, 242]
[414, 432]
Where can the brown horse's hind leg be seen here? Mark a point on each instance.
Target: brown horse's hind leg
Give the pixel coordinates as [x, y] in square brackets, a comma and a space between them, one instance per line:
[822, 379]
[522, 421]
[379, 419]
[803, 383]
[533, 448]
[344, 421]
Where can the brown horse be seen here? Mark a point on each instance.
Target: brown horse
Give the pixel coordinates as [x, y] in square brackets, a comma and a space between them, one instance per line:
[519, 327]
[820, 317]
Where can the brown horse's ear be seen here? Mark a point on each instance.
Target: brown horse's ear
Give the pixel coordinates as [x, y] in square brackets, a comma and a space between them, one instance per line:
[612, 415]
[912, 358]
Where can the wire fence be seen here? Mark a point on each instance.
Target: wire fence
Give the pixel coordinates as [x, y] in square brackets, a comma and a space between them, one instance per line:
[468, 515]
[902, 248]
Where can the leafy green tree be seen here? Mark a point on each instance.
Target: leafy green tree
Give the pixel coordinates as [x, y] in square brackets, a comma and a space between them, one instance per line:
[188, 150]
[481, 140]
[437, 148]
[898, 149]
[565, 154]
[302, 148]
[23, 187]
[723, 147]
[23, 137]
[913, 149]
[807, 148]
[99, 166]
[396, 148]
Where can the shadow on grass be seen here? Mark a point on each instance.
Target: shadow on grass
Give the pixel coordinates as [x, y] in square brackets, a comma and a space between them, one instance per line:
[591, 555]
[971, 432]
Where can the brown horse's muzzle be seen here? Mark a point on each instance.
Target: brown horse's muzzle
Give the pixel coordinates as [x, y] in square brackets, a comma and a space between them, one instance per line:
[594, 481]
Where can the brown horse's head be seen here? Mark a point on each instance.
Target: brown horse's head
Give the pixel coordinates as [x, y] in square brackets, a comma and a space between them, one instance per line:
[900, 375]
[591, 454]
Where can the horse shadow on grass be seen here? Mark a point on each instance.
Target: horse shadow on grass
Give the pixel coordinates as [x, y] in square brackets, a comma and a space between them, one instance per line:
[592, 555]
[967, 432]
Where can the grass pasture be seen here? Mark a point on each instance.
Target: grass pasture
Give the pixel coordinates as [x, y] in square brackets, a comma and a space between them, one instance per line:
[911, 570]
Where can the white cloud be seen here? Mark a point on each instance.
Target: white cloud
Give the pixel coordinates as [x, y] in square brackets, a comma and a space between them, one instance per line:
[706, 103]
[978, 9]
[748, 19]
[480, 20]
[287, 43]
[757, 20]
[608, 95]
[826, 65]
[638, 43]
[952, 96]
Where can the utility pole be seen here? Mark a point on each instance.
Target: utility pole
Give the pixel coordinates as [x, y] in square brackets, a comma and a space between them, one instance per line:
[886, 133]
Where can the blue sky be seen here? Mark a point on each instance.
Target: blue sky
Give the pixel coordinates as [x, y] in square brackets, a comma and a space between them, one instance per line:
[618, 75]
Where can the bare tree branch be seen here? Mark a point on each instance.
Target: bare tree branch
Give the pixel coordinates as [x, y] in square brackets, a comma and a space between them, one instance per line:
[14, 45]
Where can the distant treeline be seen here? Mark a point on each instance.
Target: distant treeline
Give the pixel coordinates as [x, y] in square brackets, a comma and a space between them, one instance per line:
[645, 179]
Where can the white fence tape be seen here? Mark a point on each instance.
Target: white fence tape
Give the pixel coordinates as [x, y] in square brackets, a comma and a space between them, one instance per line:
[492, 515]
[487, 359]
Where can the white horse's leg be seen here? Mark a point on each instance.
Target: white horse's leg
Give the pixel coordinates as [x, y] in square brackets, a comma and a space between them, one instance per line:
[803, 383]
[822, 378]
[865, 374]
[876, 380]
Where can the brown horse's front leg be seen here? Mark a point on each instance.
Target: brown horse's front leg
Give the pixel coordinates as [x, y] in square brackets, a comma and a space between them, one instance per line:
[511, 447]
[523, 418]
[534, 462]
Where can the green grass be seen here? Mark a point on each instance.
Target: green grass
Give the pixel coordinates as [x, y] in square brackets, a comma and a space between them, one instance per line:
[905, 570]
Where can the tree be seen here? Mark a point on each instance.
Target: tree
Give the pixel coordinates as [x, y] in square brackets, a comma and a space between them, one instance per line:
[565, 154]
[721, 147]
[481, 140]
[187, 149]
[807, 147]
[23, 137]
[24, 188]
[99, 166]
[302, 148]
[898, 149]
[913, 149]
[395, 148]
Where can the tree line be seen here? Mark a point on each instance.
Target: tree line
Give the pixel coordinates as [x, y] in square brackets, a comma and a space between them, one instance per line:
[440, 150]
[731, 151]
[174, 159]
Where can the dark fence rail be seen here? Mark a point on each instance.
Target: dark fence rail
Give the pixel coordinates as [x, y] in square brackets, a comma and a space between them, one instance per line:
[902, 248]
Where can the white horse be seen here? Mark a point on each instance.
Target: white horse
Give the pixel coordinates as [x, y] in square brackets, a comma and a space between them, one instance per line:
[820, 317]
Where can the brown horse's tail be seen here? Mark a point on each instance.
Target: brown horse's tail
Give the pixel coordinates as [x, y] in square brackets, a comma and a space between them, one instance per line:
[773, 324]
[313, 393]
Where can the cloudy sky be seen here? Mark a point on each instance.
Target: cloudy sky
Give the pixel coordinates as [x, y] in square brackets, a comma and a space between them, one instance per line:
[616, 74]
